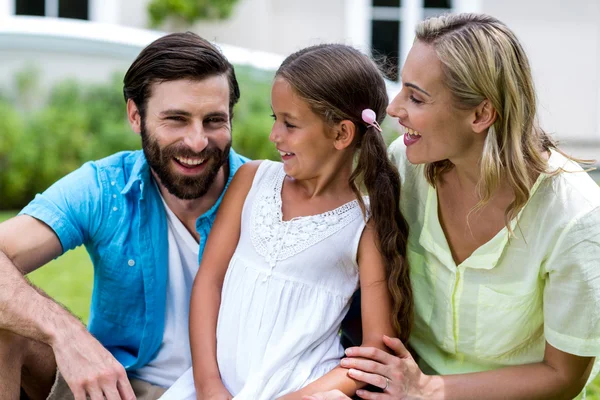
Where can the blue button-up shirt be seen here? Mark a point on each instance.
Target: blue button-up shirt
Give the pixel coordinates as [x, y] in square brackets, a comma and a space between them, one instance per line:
[113, 208]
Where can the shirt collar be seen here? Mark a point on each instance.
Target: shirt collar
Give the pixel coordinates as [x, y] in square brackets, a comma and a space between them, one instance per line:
[139, 173]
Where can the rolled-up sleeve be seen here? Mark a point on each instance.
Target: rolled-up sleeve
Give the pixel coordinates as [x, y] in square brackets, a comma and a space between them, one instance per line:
[572, 288]
[71, 206]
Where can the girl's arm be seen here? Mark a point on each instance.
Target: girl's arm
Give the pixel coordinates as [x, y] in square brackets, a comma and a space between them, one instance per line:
[376, 310]
[559, 376]
[206, 291]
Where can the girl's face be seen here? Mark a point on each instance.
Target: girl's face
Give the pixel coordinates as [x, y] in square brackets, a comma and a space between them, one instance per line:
[304, 140]
[434, 128]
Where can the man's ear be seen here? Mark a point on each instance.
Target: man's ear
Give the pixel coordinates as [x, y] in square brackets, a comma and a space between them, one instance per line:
[134, 117]
[345, 132]
[484, 116]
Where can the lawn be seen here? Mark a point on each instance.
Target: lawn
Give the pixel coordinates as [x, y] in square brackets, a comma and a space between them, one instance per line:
[69, 279]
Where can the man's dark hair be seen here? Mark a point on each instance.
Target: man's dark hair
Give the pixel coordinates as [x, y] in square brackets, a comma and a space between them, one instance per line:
[173, 57]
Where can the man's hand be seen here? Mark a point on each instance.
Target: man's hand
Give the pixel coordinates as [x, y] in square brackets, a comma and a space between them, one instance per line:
[88, 368]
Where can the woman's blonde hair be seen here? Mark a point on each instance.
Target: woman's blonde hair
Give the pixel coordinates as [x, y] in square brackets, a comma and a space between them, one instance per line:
[482, 59]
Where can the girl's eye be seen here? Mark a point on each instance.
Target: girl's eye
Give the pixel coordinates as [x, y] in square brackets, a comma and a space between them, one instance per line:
[415, 100]
[289, 126]
[274, 117]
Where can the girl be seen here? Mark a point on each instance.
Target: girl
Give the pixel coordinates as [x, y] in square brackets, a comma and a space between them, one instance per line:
[505, 230]
[292, 239]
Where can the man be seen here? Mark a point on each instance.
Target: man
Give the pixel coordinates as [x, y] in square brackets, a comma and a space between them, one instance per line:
[144, 218]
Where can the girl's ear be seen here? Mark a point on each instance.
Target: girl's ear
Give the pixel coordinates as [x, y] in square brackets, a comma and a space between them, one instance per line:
[344, 134]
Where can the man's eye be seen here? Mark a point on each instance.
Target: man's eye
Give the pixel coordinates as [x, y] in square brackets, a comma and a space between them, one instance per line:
[176, 118]
[216, 120]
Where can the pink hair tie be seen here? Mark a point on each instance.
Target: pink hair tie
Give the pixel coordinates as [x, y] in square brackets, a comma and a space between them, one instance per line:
[370, 118]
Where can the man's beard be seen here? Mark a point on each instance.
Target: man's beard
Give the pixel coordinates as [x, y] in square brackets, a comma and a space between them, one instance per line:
[181, 186]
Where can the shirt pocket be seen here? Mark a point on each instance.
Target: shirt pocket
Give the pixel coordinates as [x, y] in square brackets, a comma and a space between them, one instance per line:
[508, 323]
[422, 278]
[120, 287]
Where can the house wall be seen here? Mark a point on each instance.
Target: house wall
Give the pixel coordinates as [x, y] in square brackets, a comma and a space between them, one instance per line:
[563, 45]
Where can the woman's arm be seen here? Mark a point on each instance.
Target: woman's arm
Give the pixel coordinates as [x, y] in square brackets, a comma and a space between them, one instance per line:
[206, 291]
[559, 376]
[376, 309]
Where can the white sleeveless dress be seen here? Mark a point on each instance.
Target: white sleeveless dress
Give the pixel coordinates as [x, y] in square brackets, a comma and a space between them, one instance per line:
[287, 288]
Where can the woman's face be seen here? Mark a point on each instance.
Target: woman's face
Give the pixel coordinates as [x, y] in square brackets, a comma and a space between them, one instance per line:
[434, 128]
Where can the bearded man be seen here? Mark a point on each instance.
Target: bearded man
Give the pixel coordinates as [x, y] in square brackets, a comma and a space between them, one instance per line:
[143, 217]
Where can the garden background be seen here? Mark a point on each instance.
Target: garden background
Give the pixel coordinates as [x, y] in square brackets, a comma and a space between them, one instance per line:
[41, 140]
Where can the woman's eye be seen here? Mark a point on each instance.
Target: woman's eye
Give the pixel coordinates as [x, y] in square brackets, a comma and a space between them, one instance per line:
[274, 117]
[415, 100]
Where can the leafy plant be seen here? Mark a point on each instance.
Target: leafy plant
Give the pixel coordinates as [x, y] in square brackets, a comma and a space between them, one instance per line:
[188, 11]
[79, 122]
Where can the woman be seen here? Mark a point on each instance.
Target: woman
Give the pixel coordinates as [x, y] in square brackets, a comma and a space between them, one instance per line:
[504, 243]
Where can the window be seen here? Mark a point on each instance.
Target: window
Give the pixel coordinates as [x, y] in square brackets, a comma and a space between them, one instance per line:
[78, 9]
[386, 3]
[385, 35]
[73, 9]
[433, 8]
[437, 4]
[31, 7]
[392, 35]
[385, 46]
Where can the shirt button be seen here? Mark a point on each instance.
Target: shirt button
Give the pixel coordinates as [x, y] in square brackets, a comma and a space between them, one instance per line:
[115, 208]
[131, 263]
[113, 183]
[114, 196]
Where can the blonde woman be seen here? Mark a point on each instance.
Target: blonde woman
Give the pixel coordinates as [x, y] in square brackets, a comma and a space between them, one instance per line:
[504, 243]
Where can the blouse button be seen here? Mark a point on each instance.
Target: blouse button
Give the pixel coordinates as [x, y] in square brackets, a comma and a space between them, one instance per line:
[131, 263]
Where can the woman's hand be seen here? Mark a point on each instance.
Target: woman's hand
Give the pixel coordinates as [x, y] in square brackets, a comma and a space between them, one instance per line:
[397, 375]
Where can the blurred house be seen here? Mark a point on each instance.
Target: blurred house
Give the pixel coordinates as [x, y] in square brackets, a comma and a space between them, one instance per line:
[563, 43]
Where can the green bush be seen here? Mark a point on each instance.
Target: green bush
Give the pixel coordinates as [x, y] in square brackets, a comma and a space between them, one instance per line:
[189, 11]
[40, 143]
[41, 140]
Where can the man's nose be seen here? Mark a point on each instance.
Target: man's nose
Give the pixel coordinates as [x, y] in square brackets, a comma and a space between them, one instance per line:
[196, 139]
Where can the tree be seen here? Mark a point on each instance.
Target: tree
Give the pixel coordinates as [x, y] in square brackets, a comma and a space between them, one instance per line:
[188, 11]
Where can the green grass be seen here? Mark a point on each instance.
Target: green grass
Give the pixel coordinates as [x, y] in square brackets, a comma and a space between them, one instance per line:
[69, 280]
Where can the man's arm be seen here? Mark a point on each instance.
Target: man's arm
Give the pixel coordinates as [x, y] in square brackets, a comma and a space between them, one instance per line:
[88, 368]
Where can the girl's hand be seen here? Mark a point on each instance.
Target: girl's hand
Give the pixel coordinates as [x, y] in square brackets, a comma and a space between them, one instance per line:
[331, 395]
[213, 392]
[397, 375]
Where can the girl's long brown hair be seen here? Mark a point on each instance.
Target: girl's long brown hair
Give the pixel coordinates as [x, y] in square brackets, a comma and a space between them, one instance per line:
[339, 82]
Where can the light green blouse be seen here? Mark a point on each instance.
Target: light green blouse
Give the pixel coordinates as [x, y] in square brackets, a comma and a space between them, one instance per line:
[500, 305]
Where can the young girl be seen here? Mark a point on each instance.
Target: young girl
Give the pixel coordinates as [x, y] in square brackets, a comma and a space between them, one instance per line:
[293, 239]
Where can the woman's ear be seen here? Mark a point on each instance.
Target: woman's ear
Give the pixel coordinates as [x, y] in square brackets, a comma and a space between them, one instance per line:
[134, 117]
[344, 134]
[485, 116]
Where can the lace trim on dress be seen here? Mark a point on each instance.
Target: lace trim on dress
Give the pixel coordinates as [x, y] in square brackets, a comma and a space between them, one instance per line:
[276, 239]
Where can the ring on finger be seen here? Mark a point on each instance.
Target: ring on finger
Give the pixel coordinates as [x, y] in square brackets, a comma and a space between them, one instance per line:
[387, 383]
